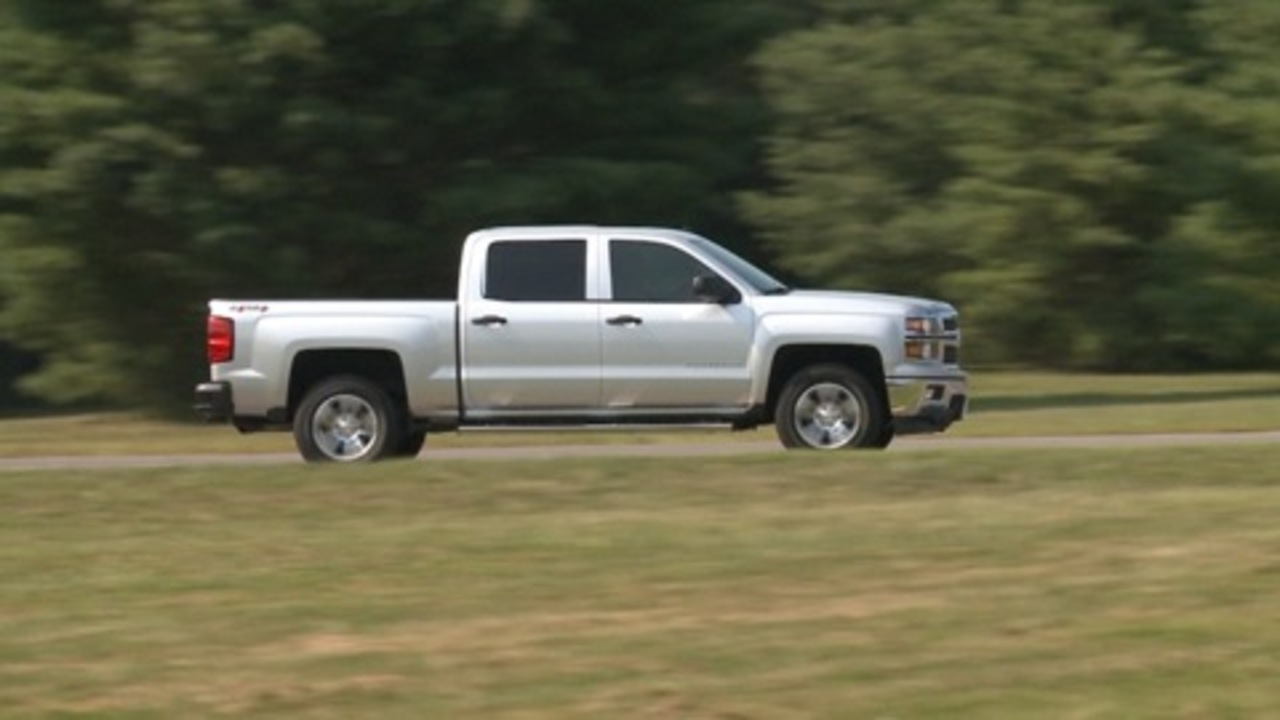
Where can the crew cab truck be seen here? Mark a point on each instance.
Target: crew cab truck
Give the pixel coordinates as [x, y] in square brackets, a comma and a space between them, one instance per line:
[581, 325]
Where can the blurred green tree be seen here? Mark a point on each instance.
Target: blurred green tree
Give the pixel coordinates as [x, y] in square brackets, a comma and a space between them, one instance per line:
[1087, 179]
[154, 153]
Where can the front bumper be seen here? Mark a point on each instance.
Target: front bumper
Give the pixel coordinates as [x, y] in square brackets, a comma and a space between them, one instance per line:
[927, 405]
[213, 401]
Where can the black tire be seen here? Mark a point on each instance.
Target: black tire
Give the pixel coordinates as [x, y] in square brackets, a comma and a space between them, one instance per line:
[411, 444]
[886, 435]
[348, 419]
[831, 407]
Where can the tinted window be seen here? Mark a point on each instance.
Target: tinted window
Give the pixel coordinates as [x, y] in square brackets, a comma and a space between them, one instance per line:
[545, 271]
[650, 272]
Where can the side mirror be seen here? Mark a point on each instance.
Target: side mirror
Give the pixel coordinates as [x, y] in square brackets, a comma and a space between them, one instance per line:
[715, 289]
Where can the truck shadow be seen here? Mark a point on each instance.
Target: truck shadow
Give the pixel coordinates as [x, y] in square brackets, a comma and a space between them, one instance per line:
[1085, 400]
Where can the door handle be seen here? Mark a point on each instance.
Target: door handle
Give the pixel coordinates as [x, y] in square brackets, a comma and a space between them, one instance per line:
[489, 320]
[631, 320]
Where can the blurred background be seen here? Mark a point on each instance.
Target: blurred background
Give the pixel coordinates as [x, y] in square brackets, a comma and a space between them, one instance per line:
[1094, 183]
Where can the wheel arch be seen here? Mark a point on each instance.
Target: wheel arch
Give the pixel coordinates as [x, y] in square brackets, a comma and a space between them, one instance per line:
[383, 367]
[791, 359]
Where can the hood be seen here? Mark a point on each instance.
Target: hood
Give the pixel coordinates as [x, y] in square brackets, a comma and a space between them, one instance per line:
[830, 301]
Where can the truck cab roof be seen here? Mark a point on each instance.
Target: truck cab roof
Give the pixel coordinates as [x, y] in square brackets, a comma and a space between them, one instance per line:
[541, 232]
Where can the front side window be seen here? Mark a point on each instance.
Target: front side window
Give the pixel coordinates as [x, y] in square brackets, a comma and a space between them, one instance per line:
[652, 272]
[537, 271]
[748, 273]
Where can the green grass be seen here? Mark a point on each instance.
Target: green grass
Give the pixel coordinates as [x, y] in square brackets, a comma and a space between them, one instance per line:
[1004, 404]
[975, 584]
[1026, 404]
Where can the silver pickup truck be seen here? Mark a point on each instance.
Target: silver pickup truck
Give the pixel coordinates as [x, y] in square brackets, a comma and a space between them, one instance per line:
[580, 325]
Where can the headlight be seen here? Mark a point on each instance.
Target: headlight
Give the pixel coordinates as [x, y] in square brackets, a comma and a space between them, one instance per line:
[919, 326]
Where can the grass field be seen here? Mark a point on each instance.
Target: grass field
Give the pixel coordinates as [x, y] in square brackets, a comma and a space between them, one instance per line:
[974, 584]
[1025, 404]
[1004, 404]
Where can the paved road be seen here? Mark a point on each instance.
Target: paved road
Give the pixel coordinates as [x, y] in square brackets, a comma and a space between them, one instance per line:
[549, 452]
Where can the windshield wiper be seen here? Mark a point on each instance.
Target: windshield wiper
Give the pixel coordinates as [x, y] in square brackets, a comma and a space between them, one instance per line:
[778, 290]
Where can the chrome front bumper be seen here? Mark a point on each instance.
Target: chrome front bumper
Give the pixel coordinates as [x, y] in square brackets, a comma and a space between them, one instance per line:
[927, 405]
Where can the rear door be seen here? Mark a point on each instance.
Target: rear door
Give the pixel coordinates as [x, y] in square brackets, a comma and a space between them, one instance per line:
[664, 349]
[530, 338]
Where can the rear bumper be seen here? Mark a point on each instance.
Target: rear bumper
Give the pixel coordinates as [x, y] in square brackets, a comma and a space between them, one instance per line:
[927, 405]
[213, 401]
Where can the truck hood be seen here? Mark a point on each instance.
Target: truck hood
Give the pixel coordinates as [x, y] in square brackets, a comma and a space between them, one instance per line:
[862, 303]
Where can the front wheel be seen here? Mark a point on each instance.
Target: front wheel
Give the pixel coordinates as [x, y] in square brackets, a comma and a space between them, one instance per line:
[830, 407]
[347, 419]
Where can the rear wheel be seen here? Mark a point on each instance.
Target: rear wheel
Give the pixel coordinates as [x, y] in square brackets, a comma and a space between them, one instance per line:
[831, 407]
[411, 444]
[348, 419]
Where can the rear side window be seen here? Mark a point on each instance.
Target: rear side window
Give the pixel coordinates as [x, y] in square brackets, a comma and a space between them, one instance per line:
[537, 271]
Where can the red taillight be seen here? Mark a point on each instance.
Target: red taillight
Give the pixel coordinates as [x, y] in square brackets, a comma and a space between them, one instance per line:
[221, 340]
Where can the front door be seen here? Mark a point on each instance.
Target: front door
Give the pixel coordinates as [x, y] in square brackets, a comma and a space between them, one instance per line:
[663, 348]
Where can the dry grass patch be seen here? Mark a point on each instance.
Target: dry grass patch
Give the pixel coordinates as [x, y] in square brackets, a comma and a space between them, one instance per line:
[1108, 583]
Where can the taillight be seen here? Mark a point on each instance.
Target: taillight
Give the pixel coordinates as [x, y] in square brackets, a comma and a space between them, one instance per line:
[221, 340]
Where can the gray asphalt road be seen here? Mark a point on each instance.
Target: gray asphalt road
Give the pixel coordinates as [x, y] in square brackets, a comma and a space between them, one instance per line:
[549, 452]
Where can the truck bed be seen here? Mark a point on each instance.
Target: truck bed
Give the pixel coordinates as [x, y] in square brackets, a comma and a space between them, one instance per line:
[271, 336]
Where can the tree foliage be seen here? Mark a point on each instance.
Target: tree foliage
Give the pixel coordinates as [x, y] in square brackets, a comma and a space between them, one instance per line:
[154, 153]
[1094, 183]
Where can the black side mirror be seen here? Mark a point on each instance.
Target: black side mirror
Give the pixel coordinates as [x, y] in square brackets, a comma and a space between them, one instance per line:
[715, 289]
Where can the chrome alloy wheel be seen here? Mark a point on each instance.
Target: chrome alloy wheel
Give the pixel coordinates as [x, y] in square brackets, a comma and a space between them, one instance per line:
[345, 427]
[827, 416]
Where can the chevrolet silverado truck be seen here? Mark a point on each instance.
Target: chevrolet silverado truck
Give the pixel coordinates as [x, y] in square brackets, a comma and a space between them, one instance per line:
[584, 325]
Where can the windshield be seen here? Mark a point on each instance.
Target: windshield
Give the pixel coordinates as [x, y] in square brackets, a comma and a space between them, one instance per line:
[758, 279]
